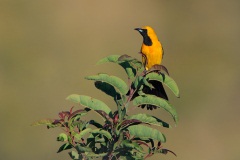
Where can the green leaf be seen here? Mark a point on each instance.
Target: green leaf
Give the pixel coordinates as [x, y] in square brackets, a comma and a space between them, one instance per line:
[123, 112]
[145, 82]
[64, 147]
[131, 71]
[146, 132]
[91, 141]
[89, 102]
[53, 125]
[145, 118]
[100, 140]
[102, 132]
[138, 82]
[129, 64]
[131, 155]
[111, 58]
[74, 155]
[136, 64]
[132, 145]
[119, 85]
[138, 156]
[82, 133]
[95, 123]
[82, 149]
[81, 125]
[94, 155]
[107, 88]
[156, 101]
[165, 79]
[43, 122]
[62, 137]
[141, 93]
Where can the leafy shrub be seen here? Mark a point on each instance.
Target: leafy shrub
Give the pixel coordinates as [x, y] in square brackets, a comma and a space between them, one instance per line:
[120, 135]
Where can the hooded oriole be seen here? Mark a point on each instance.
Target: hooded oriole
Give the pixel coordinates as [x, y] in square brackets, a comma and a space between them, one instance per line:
[152, 53]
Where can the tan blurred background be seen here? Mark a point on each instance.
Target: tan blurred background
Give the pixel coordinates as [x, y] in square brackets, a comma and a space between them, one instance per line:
[48, 47]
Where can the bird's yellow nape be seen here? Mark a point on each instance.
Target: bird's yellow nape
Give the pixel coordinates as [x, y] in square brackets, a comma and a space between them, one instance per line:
[150, 32]
[148, 28]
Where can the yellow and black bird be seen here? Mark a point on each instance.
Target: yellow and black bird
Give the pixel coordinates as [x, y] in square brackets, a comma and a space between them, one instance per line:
[152, 54]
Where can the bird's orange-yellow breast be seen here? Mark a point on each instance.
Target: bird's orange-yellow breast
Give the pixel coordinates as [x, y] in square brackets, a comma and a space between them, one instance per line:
[154, 52]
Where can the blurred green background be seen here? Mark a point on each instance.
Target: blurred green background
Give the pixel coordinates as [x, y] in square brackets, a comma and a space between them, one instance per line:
[48, 47]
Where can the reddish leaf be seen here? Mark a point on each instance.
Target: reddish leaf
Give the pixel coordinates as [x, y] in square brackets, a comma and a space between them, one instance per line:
[143, 143]
[127, 123]
[63, 114]
[71, 109]
[104, 115]
[78, 111]
[159, 144]
[124, 57]
[56, 121]
[165, 151]
[160, 68]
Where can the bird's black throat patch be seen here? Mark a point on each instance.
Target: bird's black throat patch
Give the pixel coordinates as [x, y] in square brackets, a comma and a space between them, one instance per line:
[146, 39]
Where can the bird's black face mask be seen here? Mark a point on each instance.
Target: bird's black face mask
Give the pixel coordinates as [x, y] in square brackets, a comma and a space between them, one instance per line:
[146, 39]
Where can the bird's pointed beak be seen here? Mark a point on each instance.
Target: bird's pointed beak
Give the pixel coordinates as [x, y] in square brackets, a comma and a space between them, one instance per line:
[138, 29]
